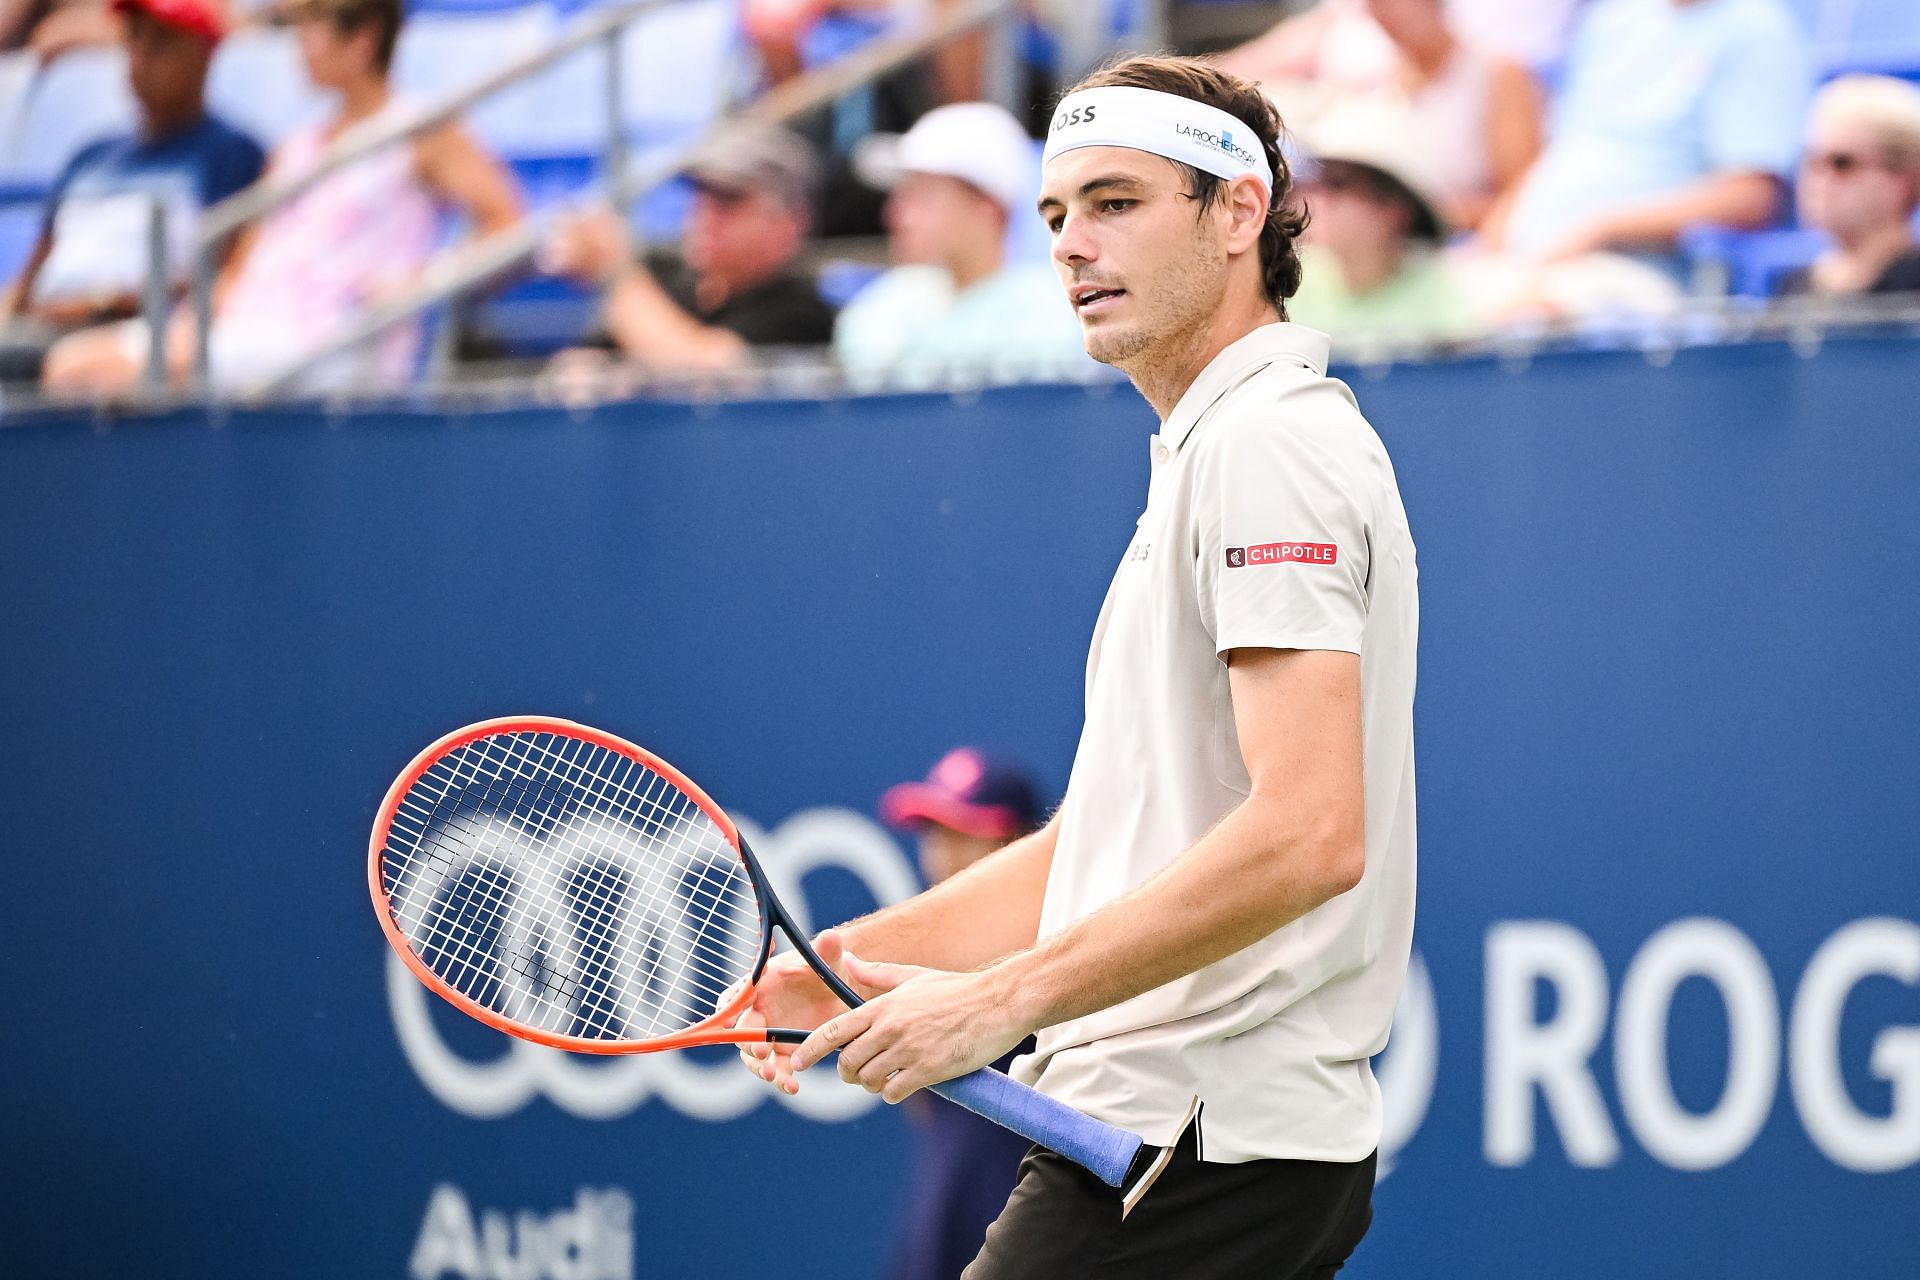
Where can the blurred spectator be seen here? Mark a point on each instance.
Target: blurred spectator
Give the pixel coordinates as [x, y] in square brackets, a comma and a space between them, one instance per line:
[779, 29]
[963, 1166]
[310, 269]
[1531, 32]
[1860, 183]
[1674, 112]
[736, 285]
[89, 264]
[51, 27]
[1476, 113]
[953, 301]
[1370, 264]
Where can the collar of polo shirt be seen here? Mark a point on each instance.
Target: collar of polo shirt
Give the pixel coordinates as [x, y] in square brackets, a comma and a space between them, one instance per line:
[1237, 362]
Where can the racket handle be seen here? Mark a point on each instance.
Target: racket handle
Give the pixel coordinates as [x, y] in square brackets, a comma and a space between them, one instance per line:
[1102, 1149]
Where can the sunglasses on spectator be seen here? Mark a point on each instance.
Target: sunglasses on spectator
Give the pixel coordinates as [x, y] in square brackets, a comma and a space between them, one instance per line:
[1839, 163]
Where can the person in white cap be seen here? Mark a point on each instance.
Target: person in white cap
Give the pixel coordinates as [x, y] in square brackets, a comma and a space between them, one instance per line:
[1209, 937]
[953, 305]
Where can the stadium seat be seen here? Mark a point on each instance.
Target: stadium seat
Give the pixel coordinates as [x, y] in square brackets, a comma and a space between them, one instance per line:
[259, 85]
[78, 98]
[441, 52]
[1747, 264]
[679, 67]
[19, 228]
[1866, 35]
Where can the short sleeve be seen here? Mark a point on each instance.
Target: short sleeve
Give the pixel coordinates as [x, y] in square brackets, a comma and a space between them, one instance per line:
[235, 164]
[1756, 102]
[1281, 533]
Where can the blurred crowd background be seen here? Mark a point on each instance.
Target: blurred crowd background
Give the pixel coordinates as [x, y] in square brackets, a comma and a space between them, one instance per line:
[715, 189]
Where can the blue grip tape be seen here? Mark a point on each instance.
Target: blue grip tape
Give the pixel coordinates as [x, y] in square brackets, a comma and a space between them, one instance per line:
[1104, 1150]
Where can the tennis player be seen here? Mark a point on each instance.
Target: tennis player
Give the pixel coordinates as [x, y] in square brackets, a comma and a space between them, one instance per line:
[1210, 936]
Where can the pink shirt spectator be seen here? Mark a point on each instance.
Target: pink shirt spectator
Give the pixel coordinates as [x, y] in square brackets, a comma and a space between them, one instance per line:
[323, 259]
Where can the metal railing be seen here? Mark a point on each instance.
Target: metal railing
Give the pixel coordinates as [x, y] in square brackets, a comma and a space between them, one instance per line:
[461, 271]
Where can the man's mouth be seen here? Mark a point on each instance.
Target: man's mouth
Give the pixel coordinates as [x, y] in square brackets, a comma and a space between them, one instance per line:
[1092, 297]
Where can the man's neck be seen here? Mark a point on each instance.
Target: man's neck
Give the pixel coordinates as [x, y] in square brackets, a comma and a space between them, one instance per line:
[156, 126]
[1861, 260]
[970, 264]
[715, 289]
[1364, 268]
[1162, 376]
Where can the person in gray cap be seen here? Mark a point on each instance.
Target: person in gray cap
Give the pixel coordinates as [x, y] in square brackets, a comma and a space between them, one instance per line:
[734, 285]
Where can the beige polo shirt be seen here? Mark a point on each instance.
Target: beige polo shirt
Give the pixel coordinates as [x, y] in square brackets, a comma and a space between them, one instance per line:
[1273, 520]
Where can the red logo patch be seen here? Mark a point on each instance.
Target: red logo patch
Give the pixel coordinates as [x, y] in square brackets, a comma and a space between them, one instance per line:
[1283, 553]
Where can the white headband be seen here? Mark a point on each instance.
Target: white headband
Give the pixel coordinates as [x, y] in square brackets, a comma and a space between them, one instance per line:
[1164, 124]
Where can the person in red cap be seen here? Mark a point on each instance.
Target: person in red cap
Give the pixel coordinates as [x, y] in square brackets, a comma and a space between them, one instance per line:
[89, 264]
[970, 805]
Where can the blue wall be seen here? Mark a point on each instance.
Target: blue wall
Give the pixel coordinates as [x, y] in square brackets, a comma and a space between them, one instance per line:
[1667, 672]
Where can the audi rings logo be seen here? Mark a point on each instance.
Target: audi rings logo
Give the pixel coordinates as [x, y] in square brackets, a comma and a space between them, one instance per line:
[607, 1089]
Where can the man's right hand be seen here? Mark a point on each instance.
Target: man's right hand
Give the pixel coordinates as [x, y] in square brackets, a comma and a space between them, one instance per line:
[789, 995]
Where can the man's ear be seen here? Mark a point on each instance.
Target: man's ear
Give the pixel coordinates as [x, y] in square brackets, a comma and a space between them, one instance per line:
[1247, 213]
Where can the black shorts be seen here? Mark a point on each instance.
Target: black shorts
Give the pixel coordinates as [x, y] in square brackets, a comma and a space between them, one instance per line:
[1262, 1220]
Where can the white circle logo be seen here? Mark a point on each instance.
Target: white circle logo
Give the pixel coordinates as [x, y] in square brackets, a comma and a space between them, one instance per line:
[606, 1090]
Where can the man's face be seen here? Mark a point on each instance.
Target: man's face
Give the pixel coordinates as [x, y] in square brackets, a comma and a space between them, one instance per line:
[1353, 211]
[738, 233]
[334, 56]
[166, 66]
[1847, 187]
[930, 215]
[1140, 260]
[945, 852]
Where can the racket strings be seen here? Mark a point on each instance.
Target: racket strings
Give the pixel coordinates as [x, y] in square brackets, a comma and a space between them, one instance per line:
[602, 997]
[569, 887]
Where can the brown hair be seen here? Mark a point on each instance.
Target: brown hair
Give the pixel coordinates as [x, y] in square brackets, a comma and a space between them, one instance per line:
[1201, 81]
[384, 16]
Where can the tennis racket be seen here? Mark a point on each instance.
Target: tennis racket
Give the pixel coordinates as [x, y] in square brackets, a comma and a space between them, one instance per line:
[572, 889]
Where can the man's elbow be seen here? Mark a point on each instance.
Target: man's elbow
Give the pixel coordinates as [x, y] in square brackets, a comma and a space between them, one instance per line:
[1749, 201]
[1343, 864]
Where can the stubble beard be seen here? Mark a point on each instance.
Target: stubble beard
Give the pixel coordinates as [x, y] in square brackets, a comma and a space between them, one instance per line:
[1184, 299]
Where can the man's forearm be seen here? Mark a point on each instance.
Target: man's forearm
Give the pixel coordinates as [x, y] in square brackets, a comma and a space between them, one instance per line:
[1261, 868]
[650, 327]
[1746, 201]
[987, 911]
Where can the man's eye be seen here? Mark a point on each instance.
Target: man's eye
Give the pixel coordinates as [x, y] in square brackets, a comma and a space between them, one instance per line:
[1054, 224]
[1116, 206]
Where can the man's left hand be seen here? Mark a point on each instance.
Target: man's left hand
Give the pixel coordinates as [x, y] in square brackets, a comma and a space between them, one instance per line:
[919, 1027]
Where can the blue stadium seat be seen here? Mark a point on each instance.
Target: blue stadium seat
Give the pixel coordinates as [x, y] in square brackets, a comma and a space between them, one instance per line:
[19, 228]
[443, 51]
[259, 85]
[78, 98]
[1750, 262]
[1866, 35]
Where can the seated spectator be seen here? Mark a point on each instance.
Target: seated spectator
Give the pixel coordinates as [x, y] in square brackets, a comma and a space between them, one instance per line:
[953, 302]
[1476, 113]
[735, 287]
[1674, 112]
[307, 271]
[1860, 183]
[90, 264]
[1370, 260]
[52, 27]
[963, 1168]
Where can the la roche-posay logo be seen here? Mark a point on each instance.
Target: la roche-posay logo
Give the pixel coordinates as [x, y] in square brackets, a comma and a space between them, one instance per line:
[1222, 141]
